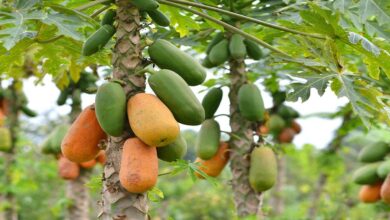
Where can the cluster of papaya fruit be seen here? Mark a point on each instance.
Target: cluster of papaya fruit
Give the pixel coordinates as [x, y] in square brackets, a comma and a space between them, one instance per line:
[102, 36]
[220, 49]
[67, 169]
[281, 123]
[5, 110]
[374, 175]
[86, 84]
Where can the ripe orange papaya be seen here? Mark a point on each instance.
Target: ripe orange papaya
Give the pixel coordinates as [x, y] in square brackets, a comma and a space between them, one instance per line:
[214, 166]
[88, 164]
[385, 190]
[151, 120]
[139, 166]
[297, 127]
[67, 169]
[287, 135]
[101, 157]
[370, 193]
[263, 129]
[81, 142]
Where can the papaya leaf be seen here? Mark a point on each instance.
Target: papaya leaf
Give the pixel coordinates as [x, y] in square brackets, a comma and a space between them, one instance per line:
[303, 90]
[155, 195]
[95, 183]
[378, 8]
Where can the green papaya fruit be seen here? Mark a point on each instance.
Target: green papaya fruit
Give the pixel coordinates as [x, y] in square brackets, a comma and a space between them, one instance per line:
[76, 97]
[250, 102]
[263, 169]
[109, 17]
[383, 169]
[167, 56]
[367, 174]
[374, 152]
[219, 53]
[253, 50]
[177, 96]
[217, 38]
[207, 141]
[145, 5]
[173, 151]
[5, 140]
[278, 97]
[46, 146]
[287, 112]
[28, 112]
[275, 123]
[110, 108]
[237, 47]
[56, 137]
[211, 102]
[61, 100]
[207, 63]
[98, 40]
[159, 18]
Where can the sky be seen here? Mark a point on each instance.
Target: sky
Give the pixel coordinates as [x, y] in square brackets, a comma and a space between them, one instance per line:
[316, 131]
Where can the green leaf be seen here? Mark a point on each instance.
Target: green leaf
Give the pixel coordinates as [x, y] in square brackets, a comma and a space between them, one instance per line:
[373, 69]
[155, 195]
[380, 9]
[183, 22]
[303, 90]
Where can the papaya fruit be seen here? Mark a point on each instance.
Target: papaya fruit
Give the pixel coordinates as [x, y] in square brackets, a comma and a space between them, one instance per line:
[385, 190]
[383, 169]
[219, 53]
[46, 145]
[370, 193]
[28, 112]
[253, 50]
[88, 164]
[214, 166]
[367, 174]
[374, 152]
[250, 103]
[287, 112]
[158, 17]
[109, 17]
[5, 140]
[286, 135]
[110, 107]
[81, 142]
[101, 157]
[207, 141]
[177, 96]
[216, 39]
[67, 169]
[263, 130]
[237, 47]
[151, 120]
[167, 56]
[139, 166]
[98, 40]
[275, 123]
[296, 127]
[61, 100]
[207, 63]
[263, 169]
[145, 5]
[211, 102]
[173, 151]
[2, 118]
[56, 137]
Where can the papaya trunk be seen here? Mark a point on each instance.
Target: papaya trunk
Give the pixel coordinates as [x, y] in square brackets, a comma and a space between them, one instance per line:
[76, 191]
[117, 203]
[247, 201]
[10, 199]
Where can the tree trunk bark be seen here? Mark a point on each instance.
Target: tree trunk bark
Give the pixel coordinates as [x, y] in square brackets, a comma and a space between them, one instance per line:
[116, 202]
[76, 190]
[247, 201]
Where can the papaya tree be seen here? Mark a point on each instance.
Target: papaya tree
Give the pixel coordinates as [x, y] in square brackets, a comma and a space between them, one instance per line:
[312, 45]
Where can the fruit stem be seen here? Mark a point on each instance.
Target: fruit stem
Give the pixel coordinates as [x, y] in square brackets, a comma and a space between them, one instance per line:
[91, 4]
[243, 17]
[231, 135]
[228, 27]
[98, 12]
[120, 82]
[146, 70]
